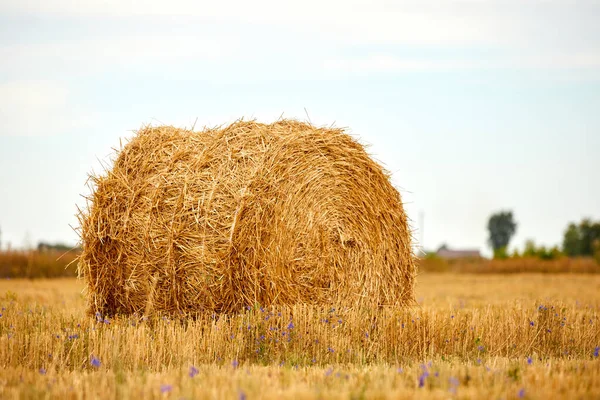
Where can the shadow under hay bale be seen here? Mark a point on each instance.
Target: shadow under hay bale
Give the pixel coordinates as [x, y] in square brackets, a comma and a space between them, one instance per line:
[287, 213]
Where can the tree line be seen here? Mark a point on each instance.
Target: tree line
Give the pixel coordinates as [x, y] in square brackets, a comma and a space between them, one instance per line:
[579, 240]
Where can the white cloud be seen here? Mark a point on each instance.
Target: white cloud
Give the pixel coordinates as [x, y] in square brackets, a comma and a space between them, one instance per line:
[34, 108]
[88, 55]
[403, 21]
[392, 63]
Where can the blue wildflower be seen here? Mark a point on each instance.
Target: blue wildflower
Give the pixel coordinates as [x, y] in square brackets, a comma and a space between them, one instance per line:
[596, 351]
[290, 325]
[529, 360]
[422, 378]
[95, 362]
[166, 388]
[193, 371]
[453, 384]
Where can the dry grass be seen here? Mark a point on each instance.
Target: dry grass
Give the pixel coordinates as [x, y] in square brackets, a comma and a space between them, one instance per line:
[188, 222]
[579, 265]
[37, 264]
[472, 336]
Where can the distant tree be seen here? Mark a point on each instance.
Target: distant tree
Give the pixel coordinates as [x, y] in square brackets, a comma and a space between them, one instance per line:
[42, 246]
[579, 240]
[572, 241]
[529, 250]
[597, 250]
[541, 252]
[501, 227]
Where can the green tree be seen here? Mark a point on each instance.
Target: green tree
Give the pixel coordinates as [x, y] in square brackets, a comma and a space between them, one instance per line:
[502, 227]
[572, 241]
[579, 239]
[530, 249]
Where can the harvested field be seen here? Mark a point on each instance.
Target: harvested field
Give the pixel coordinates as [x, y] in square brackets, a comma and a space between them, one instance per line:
[471, 336]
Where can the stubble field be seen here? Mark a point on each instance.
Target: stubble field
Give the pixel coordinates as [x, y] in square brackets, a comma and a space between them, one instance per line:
[470, 336]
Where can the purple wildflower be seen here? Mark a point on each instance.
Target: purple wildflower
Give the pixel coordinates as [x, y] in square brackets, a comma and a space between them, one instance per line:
[596, 351]
[521, 393]
[331, 350]
[242, 395]
[329, 372]
[453, 384]
[235, 364]
[290, 325]
[43, 371]
[529, 360]
[193, 371]
[95, 362]
[531, 323]
[422, 378]
[166, 388]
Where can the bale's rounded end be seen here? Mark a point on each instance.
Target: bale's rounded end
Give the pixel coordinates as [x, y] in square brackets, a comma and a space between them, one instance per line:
[217, 220]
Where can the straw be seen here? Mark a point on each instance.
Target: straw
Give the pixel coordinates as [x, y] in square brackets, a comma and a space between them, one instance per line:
[250, 214]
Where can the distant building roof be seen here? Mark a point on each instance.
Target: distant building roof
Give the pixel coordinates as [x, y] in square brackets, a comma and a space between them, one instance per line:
[445, 252]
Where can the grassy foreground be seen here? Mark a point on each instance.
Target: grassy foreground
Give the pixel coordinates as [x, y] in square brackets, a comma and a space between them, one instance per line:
[471, 336]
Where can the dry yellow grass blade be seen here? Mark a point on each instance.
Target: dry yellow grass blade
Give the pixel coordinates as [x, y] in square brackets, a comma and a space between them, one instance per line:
[287, 213]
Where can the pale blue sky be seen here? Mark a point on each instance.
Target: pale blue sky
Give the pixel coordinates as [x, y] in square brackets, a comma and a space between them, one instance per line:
[474, 106]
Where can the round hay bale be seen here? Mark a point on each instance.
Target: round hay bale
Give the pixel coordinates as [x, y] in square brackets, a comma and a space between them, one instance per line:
[218, 220]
